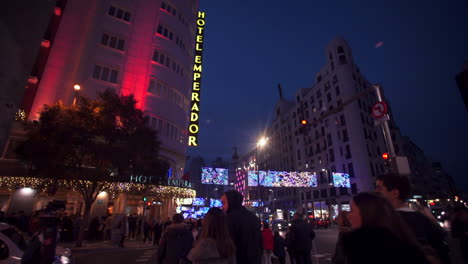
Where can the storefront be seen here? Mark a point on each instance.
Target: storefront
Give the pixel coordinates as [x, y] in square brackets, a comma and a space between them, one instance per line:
[156, 201]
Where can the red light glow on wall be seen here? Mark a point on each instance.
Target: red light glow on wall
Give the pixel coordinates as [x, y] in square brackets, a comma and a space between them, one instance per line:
[58, 11]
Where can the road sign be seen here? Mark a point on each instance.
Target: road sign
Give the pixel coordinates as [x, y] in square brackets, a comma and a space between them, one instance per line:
[379, 121]
[379, 109]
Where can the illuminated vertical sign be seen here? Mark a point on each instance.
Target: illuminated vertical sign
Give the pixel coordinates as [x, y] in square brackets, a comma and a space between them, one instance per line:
[197, 73]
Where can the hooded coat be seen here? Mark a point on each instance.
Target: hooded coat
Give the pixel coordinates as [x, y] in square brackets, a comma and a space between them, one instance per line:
[175, 244]
[244, 227]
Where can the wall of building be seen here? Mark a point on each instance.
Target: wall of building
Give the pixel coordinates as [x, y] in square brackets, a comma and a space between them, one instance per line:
[138, 47]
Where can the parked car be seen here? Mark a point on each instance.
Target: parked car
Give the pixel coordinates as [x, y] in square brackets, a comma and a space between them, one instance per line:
[279, 225]
[321, 223]
[13, 243]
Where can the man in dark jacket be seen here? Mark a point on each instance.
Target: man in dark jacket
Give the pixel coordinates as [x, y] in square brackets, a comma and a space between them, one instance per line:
[244, 228]
[301, 236]
[176, 242]
[397, 189]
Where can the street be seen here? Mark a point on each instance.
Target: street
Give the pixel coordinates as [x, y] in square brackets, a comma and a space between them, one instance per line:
[137, 252]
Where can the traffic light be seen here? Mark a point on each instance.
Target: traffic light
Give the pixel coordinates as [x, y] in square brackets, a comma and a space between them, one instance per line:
[387, 162]
[148, 203]
[145, 199]
[304, 122]
[385, 156]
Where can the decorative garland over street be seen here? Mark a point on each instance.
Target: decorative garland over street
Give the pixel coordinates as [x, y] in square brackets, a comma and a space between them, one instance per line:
[43, 184]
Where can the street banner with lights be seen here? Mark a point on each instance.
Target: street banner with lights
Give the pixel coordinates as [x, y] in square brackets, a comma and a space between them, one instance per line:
[197, 74]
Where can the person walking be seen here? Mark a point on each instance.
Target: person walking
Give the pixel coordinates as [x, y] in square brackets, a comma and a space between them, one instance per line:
[146, 231]
[279, 244]
[267, 240]
[379, 234]
[157, 232]
[214, 244]
[301, 237]
[175, 243]
[344, 226]
[108, 227]
[244, 227]
[132, 219]
[289, 247]
[123, 230]
[397, 189]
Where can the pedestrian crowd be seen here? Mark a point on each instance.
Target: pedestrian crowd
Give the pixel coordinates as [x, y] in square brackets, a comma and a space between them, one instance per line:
[381, 227]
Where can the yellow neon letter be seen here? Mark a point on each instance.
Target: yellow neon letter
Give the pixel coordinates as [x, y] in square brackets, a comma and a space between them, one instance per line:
[200, 38]
[195, 107]
[193, 117]
[201, 14]
[192, 141]
[197, 59]
[197, 67]
[198, 47]
[200, 30]
[193, 128]
[196, 76]
[196, 86]
[195, 97]
[201, 22]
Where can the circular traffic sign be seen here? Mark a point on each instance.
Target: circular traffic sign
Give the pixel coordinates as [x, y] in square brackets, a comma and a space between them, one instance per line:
[379, 109]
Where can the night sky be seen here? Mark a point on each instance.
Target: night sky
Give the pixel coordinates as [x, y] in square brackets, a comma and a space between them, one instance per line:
[251, 46]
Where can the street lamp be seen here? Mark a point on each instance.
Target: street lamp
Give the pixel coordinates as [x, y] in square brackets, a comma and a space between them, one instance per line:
[77, 89]
[260, 144]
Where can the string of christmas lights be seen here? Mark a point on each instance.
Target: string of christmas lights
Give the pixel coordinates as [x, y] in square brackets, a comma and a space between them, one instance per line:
[44, 184]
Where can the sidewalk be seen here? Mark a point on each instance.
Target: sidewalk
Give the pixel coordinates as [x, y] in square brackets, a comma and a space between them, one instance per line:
[102, 245]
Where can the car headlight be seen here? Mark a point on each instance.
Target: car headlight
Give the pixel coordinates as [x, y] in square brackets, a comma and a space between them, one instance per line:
[64, 260]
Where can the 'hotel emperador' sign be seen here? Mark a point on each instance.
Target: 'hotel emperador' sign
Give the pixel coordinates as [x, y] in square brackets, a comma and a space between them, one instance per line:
[197, 70]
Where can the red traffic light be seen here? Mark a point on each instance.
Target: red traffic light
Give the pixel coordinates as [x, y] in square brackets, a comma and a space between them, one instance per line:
[148, 203]
[385, 156]
[304, 122]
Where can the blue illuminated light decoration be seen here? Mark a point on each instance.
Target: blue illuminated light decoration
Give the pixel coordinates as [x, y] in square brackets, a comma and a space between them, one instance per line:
[341, 180]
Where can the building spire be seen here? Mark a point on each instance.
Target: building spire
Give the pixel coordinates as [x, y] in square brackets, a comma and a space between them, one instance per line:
[280, 90]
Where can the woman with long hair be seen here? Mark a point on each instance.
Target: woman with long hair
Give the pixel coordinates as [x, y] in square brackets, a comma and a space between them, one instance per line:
[214, 244]
[378, 233]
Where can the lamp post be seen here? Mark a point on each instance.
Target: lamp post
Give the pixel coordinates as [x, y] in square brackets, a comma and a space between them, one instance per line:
[260, 144]
[77, 89]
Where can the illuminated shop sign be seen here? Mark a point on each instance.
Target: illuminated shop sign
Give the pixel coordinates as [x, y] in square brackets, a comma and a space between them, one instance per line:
[197, 73]
[156, 181]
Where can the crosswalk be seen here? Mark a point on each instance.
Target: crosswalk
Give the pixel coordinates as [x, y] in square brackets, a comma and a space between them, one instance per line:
[146, 256]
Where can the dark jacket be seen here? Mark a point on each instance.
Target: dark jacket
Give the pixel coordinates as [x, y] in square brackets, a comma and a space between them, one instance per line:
[379, 245]
[301, 236]
[279, 245]
[427, 232]
[244, 227]
[175, 244]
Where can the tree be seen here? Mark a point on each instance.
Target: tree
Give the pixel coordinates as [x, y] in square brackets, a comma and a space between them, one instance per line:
[93, 142]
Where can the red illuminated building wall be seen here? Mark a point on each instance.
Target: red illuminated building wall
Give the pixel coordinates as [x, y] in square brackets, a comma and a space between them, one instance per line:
[139, 47]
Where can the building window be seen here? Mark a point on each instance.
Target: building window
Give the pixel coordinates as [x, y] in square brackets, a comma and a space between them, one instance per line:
[351, 170]
[105, 74]
[337, 90]
[329, 98]
[119, 13]
[343, 60]
[329, 140]
[112, 41]
[348, 152]
[354, 189]
[342, 120]
[340, 49]
[323, 193]
[345, 135]
[372, 169]
[168, 8]
[343, 191]
[164, 31]
[332, 192]
[331, 154]
[316, 194]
